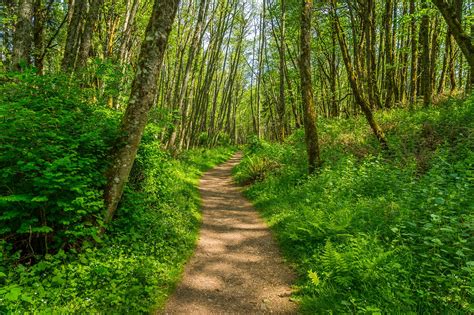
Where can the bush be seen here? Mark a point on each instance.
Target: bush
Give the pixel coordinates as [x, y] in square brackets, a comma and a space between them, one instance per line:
[54, 142]
[140, 259]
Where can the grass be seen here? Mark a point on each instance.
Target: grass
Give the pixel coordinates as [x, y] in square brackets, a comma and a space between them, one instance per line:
[375, 232]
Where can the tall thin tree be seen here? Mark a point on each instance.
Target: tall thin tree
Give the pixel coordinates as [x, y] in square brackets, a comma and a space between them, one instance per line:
[310, 116]
[142, 97]
[22, 38]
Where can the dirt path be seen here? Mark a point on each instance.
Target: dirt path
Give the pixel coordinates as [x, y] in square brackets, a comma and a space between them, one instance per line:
[237, 267]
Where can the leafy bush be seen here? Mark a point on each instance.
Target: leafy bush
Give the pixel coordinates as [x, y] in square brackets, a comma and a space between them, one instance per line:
[138, 262]
[54, 142]
[372, 233]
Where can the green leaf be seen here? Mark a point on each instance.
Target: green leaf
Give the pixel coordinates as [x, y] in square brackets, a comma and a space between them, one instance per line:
[42, 229]
[437, 241]
[58, 279]
[27, 298]
[40, 199]
[96, 238]
[15, 198]
[314, 277]
[14, 294]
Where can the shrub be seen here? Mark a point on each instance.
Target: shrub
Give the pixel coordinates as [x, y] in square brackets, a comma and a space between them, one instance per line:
[54, 142]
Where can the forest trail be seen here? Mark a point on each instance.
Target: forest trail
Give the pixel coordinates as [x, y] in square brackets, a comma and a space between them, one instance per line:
[237, 266]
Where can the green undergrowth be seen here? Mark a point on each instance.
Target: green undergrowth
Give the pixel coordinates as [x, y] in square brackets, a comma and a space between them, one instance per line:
[54, 143]
[371, 232]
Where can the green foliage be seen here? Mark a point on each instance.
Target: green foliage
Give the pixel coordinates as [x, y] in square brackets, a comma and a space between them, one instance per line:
[372, 233]
[254, 168]
[135, 266]
[53, 143]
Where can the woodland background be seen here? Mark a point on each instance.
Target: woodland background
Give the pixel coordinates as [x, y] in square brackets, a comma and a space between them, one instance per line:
[356, 118]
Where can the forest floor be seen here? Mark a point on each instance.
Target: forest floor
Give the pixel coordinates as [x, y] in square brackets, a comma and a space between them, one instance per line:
[237, 266]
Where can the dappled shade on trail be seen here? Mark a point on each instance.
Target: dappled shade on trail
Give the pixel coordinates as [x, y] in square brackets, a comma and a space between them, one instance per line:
[237, 267]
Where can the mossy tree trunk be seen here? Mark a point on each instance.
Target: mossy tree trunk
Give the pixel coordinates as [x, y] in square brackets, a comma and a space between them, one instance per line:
[281, 101]
[76, 11]
[453, 20]
[414, 55]
[23, 35]
[426, 87]
[142, 97]
[310, 116]
[88, 31]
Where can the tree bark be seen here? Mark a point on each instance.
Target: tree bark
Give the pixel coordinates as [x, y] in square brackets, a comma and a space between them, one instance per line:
[190, 64]
[453, 20]
[260, 67]
[38, 33]
[414, 55]
[434, 54]
[426, 87]
[447, 52]
[310, 116]
[22, 38]
[451, 62]
[142, 96]
[390, 68]
[371, 38]
[73, 35]
[281, 101]
[127, 31]
[86, 38]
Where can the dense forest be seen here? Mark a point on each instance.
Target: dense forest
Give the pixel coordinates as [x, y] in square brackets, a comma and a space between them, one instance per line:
[355, 118]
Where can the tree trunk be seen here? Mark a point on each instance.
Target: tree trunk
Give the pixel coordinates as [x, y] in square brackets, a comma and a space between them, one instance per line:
[390, 69]
[426, 87]
[127, 31]
[414, 55]
[404, 40]
[281, 103]
[38, 33]
[334, 107]
[371, 37]
[73, 35]
[23, 35]
[447, 52]
[434, 54]
[195, 44]
[260, 68]
[141, 101]
[86, 38]
[310, 116]
[453, 19]
[451, 62]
